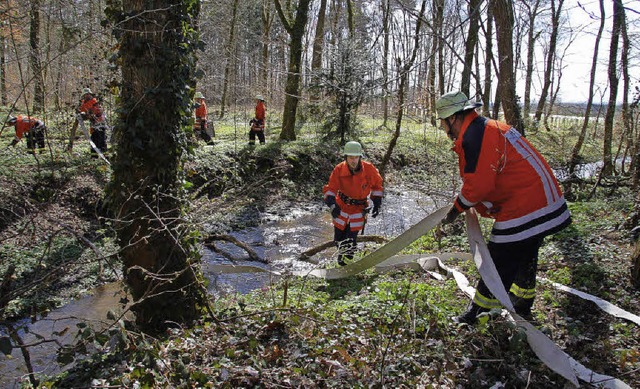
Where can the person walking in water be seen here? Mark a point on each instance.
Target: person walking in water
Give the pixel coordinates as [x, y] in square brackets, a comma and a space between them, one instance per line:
[347, 194]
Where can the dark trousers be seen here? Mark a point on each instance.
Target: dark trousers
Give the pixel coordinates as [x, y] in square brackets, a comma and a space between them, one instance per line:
[345, 241]
[35, 137]
[253, 133]
[517, 264]
[203, 131]
[99, 138]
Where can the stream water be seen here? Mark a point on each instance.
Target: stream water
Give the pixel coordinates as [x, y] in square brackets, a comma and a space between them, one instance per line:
[278, 239]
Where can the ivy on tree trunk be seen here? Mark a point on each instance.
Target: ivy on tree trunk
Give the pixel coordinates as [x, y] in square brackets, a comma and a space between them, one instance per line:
[157, 60]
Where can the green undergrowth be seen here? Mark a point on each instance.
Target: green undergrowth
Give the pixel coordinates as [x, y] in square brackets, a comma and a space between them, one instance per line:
[389, 330]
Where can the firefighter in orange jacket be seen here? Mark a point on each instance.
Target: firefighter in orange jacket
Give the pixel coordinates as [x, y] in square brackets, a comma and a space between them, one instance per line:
[350, 185]
[33, 128]
[201, 125]
[91, 109]
[505, 178]
[257, 123]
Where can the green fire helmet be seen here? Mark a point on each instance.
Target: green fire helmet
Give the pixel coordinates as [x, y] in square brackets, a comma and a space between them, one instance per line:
[199, 95]
[353, 148]
[452, 103]
[86, 90]
[260, 97]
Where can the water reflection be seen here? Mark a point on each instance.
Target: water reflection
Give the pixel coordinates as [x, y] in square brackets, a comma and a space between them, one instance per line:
[60, 325]
[278, 239]
[283, 240]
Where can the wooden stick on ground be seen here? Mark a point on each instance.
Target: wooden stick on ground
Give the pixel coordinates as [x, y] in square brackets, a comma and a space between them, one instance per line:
[209, 242]
[323, 246]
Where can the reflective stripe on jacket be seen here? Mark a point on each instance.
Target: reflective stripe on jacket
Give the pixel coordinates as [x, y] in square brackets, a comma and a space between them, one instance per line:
[505, 178]
[357, 186]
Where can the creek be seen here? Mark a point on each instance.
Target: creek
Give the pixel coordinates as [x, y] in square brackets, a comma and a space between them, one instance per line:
[280, 238]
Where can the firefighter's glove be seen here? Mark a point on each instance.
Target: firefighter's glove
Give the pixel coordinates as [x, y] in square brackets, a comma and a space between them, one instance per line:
[377, 202]
[335, 211]
[330, 200]
[452, 215]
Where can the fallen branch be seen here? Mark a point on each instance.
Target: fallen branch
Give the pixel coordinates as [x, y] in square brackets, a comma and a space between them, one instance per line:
[209, 242]
[323, 246]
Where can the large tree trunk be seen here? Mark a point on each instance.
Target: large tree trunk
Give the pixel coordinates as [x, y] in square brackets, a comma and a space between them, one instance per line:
[618, 20]
[34, 56]
[507, 85]
[548, 71]
[292, 89]
[230, 61]
[470, 45]
[145, 191]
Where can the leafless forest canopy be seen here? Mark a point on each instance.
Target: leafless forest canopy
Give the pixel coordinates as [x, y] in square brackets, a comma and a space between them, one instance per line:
[51, 49]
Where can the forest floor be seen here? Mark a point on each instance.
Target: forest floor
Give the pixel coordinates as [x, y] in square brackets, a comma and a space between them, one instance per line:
[372, 330]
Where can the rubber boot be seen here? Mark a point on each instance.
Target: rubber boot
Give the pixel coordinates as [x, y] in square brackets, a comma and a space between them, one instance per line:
[471, 315]
[522, 306]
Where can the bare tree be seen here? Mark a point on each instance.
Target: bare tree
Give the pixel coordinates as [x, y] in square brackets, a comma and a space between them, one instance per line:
[3, 70]
[532, 37]
[618, 21]
[267, 20]
[295, 29]
[575, 153]
[34, 56]
[507, 83]
[230, 58]
[488, 72]
[318, 43]
[386, 19]
[404, 77]
[551, 53]
[470, 44]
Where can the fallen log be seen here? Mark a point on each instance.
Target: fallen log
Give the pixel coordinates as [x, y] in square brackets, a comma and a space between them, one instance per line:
[209, 242]
[323, 246]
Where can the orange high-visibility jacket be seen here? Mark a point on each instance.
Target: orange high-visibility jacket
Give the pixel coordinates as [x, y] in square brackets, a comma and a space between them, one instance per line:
[93, 109]
[201, 111]
[505, 178]
[357, 186]
[261, 111]
[24, 124]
